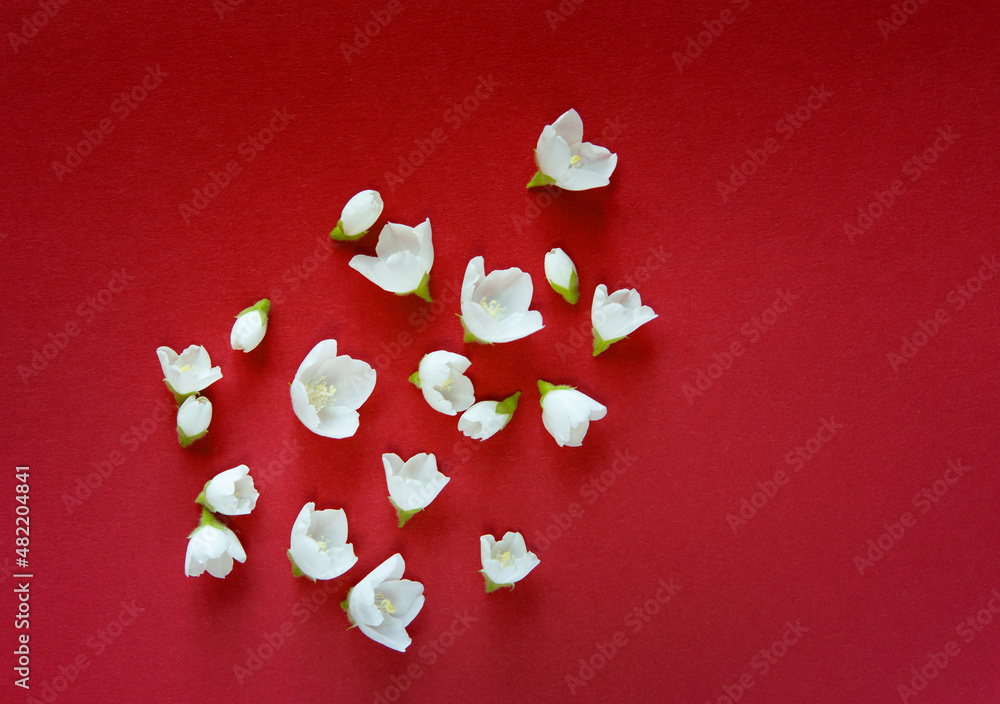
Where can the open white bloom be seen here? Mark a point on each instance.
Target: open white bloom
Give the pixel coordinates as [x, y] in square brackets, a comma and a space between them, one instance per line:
[412, 484]
[505, 562]
[565, 160]
[495, 307]
[561, 273]
[566, 413]
[404, 259]
[616, 316]
[230, 492]
[383, 604]
[446, 388]
[193, 418]
[360, 213]
[250, 326]
[328, 390]
[212, 547]
[319, 543]
[487, 418]
[187, 372]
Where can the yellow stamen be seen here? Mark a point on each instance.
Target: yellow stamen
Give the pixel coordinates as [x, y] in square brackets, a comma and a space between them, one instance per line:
[383, 604]
[574, 162]
[505, 558]
[320, 393]
[493, 308]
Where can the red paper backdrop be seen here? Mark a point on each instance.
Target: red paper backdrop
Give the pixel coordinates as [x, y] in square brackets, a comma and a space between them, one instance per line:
[877, 115]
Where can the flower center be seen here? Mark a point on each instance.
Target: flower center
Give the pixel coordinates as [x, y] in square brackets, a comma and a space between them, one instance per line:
[321, 544]
[320, 393]
[493, 308]
[186, 368]
[505, 558]
[383, 604]
[574, 161]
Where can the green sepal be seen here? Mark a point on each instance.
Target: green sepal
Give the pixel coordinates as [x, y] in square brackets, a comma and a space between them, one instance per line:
[571, 294]
[508, 405]
[544, 387]
[492, 586]
[338, 233]
[179, 397]
[345, 605]
[201, 497]
[540, 179]
[185, 440]
[415, 378]
[404, 516]
[296, 572]
[600, 344]
[263, 305]
[423, 290]
[469, 337]
[208, 519]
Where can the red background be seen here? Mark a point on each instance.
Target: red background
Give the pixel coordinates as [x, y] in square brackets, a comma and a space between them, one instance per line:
[716, 263]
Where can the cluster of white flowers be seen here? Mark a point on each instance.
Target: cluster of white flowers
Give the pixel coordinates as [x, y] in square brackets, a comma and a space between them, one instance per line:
[328, 390]
[213, 546]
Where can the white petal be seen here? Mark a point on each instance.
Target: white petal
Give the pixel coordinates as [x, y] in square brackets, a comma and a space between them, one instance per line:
[569, 126]
[552, 152]
[559, 268]
[361, 212]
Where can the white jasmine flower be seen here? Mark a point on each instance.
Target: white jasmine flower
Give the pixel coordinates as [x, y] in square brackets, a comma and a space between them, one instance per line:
[360, 213]
[487, 418]
[505, 562]
[495, 307]
[250, 326]
[446, 388]
[188, 372]
[566, 413]
[230, 492]
[412, 484]
[383, 604]
[213, 547]
[319, 543]
[561, 274]
[565, 160]
[193, 418]
[616, 316]
[328, 389]
[404, 261]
